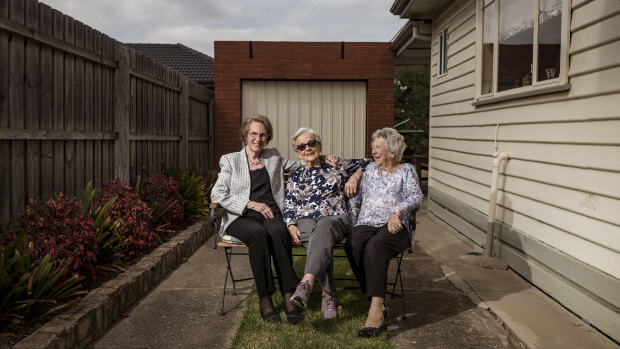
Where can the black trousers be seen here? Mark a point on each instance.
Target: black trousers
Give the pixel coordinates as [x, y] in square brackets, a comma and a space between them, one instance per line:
[369, 250]
[266, 238]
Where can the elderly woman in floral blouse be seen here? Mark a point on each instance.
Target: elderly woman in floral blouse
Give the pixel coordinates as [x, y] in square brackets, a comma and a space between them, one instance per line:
[316, 215]
[380, 212]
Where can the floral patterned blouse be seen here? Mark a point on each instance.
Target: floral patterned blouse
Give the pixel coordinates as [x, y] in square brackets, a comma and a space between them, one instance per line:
[319, 191]
[381, 194]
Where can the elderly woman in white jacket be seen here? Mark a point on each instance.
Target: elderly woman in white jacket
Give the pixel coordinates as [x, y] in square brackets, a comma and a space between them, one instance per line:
[250, 187]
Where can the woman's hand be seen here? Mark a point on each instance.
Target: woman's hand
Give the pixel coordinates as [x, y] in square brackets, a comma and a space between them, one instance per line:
[260, 208]
[394, 225]
[332, 160]
[295, 234]
[350, 188]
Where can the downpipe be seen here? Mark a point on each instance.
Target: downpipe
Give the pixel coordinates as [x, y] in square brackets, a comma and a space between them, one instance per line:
[488, 248]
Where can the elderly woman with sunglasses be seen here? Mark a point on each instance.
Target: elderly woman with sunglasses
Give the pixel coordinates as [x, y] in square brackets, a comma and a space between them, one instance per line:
[316, 214]
[250, 187]
[381, 212]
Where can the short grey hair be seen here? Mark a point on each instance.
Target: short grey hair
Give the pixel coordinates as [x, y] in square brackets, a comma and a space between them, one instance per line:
[395, 141]
[302, 130]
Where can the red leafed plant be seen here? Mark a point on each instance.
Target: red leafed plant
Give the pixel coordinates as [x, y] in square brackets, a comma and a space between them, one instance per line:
[57, 226]
[136, 234]
[161, 195]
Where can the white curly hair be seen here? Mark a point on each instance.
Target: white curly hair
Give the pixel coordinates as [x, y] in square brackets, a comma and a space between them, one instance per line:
[395, 141]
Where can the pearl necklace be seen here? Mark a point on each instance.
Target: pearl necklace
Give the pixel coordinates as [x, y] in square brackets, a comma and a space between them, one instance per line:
[254, 162]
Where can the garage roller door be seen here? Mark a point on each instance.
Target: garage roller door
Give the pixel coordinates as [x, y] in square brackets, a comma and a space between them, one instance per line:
[336, 109]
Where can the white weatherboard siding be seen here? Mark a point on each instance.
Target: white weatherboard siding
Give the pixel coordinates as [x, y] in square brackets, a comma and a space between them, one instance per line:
[559, 200]
[336, 109]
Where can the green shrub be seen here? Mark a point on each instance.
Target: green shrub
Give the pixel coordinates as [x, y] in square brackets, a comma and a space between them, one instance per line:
[210, 178]
[110, 239]
[31, 290]
[195, 186]
[161, 194]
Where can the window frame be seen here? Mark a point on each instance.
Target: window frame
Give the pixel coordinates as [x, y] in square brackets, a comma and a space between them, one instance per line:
[561, 83]
[442, 53]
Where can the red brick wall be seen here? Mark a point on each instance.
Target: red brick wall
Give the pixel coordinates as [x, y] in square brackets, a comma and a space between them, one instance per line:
[369, 61]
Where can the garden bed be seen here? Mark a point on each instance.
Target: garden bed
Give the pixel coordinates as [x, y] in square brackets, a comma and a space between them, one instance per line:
[91, 258]
[89, 319]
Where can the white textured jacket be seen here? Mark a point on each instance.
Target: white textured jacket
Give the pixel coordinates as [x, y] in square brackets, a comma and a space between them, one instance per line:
[232, 188]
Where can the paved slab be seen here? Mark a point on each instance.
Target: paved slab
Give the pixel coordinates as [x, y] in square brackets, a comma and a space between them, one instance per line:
[438, 314]
[182, 311]
[531, 316]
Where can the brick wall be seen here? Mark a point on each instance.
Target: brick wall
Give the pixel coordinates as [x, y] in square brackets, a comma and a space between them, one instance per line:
[264, 60]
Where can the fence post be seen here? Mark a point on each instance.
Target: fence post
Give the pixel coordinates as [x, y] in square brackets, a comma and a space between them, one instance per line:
[184, 122]
[122, 97]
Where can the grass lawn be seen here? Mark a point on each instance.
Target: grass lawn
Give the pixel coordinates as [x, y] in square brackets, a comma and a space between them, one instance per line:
[314, 331]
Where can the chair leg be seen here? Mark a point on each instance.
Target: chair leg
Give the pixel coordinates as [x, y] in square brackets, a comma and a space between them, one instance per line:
[227, 251]
[399, 277]
[216, 226]
[399, 260]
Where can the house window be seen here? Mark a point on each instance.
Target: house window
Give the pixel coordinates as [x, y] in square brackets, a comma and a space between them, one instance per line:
[522, 46]
[442, 66]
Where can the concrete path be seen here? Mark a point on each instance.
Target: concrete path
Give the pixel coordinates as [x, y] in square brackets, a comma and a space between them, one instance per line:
[182, 311]
[528, 314]
[438, 314]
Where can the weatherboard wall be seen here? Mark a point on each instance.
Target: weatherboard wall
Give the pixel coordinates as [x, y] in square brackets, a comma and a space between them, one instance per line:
[559, 192]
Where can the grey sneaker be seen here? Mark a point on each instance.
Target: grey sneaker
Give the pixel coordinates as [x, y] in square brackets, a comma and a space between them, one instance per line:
[328, 306]
[302, 292]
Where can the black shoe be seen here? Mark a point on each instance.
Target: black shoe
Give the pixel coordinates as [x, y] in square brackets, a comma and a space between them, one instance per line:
[368, 332]
[271, 317]
[294, 317]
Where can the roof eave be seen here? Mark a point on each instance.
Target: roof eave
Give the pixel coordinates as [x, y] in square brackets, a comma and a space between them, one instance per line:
[412, 47]
[411, 31]
[415, 9]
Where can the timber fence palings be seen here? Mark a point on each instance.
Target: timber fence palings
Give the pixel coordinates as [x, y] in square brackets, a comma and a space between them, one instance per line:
[77, 105]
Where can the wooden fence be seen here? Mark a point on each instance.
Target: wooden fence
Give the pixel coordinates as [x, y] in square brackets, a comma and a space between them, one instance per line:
[78, 106]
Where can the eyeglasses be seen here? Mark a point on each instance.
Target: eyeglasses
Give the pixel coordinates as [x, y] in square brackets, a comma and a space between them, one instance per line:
[302, 147]
[256, 135]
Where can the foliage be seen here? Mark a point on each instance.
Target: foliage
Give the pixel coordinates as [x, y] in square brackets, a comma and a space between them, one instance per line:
[161, 195]
[411, 102]
[210, 178]
[57, 227]
[195, 186]
[134, 216]
[107, 231]
[29, 289]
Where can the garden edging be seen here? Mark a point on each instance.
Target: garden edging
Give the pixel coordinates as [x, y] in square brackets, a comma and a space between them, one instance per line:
[90, 318]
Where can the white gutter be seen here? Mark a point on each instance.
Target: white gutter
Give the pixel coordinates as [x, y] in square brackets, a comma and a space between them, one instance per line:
[499, 157]
[415, 35]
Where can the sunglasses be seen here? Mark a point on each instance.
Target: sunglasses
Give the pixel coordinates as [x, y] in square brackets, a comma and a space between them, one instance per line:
[302, 146]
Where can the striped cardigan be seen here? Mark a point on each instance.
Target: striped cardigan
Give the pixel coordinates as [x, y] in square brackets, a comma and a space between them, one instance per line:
[232, 188]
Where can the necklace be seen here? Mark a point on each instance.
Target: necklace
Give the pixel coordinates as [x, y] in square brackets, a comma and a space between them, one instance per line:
[387, 172]
[254, 161]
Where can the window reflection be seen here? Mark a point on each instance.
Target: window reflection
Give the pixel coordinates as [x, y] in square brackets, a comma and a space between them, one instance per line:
[488, 27]
[516, 42]
[549, 40]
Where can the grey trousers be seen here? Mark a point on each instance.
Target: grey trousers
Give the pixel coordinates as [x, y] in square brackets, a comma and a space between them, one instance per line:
[318, 235]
